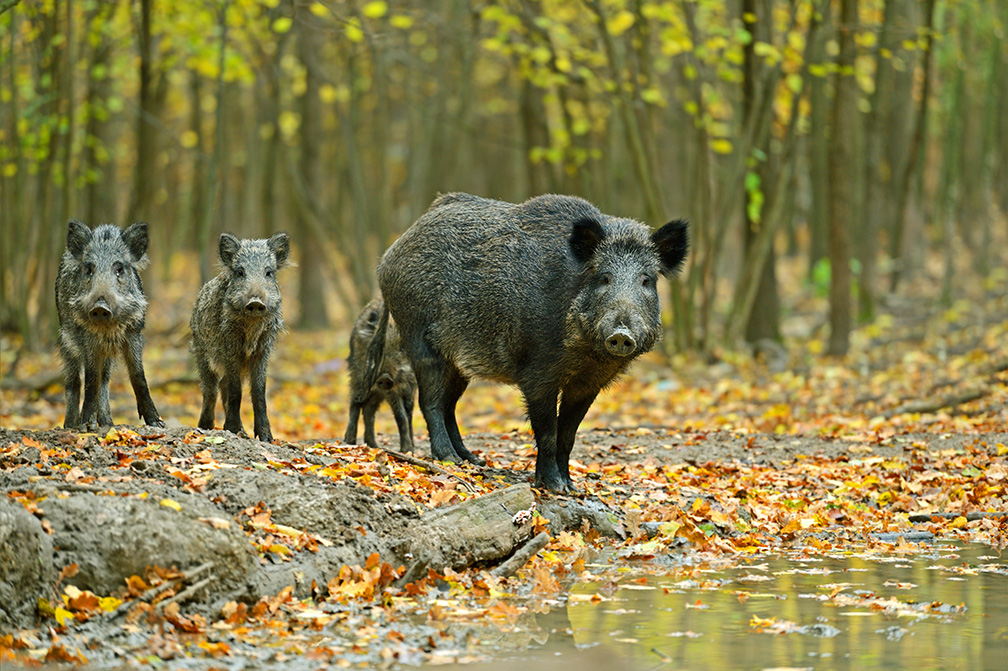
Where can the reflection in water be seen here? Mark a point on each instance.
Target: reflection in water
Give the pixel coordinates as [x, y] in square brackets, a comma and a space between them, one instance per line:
[946, 610]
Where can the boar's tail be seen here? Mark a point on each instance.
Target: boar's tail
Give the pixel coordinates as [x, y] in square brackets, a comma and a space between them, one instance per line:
[375, 352]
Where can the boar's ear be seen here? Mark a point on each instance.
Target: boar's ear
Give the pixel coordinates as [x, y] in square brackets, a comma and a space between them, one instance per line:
[228, 247]
[279, 244]
[136, 239]
[585, 238]
[672, 242]
[78, 237]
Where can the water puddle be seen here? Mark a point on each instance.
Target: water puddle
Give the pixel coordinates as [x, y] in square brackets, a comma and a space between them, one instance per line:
[946, 609]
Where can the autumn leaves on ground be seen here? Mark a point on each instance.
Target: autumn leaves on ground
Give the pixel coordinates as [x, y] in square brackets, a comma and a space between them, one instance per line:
[708, 461]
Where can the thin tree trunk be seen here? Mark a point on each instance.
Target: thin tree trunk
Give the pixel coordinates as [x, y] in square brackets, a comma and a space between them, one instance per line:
[818, 152]
[916, 149]
[841, 194]
[762, 322]
[878, 175]
[311, 282]
[143, 173]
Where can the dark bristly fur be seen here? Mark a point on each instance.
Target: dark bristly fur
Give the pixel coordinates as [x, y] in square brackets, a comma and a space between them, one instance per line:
[393, 381]
[550, 295]
[102, 308]
[235, 323]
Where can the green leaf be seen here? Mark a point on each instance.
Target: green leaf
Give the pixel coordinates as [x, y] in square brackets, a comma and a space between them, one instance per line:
[353, 30]
[375, 9]
[620, 23]
[282, 25]
[401, 21]
[794, 82]
[721, 146]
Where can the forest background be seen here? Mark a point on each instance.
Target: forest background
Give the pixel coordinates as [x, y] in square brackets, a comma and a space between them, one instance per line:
[864, 142]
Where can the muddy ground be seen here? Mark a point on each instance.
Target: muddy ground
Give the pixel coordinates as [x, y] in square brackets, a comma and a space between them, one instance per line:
[116, 506]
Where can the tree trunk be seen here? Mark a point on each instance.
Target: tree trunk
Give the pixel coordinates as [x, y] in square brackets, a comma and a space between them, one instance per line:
[311, 282]
[916, 149]
[878, 173]
[143, 171]
[841, 191]
[762, 322]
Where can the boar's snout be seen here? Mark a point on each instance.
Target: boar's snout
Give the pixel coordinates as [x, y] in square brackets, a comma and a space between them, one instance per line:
[620, 342]
[101, 311]
[385, 382]
[255, 306]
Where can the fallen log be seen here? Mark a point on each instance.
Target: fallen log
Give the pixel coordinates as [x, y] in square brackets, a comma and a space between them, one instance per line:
[521, 556]
[430, 466]
[934, 405]
[476, 530]
[37, 383]
[970, 516]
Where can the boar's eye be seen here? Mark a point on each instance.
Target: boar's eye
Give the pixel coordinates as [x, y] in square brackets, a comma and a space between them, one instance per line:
[240, 273]
[89, 269]
[269, 272]
[118, 269]
[605, 279]
[647, 282]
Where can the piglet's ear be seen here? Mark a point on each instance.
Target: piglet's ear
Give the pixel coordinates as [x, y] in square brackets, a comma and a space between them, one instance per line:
[228, 247]
[672, 242]
[585, 238]
[136, 239]
[78, 237]
[279, 244]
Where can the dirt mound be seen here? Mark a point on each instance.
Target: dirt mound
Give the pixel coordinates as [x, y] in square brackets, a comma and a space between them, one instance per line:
[254, 517]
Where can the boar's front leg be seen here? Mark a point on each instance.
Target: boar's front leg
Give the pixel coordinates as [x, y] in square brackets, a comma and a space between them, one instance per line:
[572, 412]
[261, 422]
[542, 411]
[231, 392]
[133, 353]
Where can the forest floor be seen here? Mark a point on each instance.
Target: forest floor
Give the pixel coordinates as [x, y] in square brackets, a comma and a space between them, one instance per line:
[141, 546]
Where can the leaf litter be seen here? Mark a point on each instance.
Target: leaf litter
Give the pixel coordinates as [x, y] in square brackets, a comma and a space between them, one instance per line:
[706, 475]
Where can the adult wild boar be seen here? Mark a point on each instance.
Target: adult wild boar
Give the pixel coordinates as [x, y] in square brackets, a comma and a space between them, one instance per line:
[550, 295]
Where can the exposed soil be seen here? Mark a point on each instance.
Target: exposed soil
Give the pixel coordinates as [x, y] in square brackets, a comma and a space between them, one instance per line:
[117, 508]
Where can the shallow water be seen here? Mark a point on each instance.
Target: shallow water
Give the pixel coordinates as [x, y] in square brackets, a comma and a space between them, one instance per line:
[944, 610]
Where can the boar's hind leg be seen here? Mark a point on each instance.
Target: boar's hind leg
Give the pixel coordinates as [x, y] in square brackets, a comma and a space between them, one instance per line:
[370, 408]
[404, 421]
[231, 391]
[92, 385]
[350, 438]
[431, 372]
[72, 375]
[209, 385]
[542, 415]
[104, 409]
[257, 384]
[133, 353]
[455, 384]
[572, 411]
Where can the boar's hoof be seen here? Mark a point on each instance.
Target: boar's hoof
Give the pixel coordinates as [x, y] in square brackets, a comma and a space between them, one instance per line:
[466, 455]
[621, 343]
[555, 484]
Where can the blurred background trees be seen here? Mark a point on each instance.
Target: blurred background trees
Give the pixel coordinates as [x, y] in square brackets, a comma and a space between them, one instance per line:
[859, 136]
